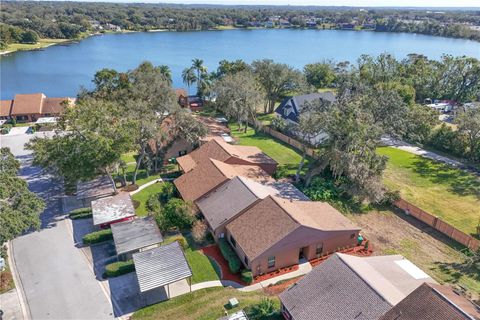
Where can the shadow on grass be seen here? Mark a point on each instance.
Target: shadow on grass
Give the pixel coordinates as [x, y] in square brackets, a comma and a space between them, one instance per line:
[456, 271]
[458, 181]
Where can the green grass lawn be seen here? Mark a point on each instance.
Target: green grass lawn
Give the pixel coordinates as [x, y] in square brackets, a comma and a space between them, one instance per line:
[281, 152]
[142, 176]
[129, 157]
[143, 196]
[451, 194]
[42, 43]
[204, 304]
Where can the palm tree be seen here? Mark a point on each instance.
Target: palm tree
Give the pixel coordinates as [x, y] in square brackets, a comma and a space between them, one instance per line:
[166, 72]
[188, 76]
[201, 70]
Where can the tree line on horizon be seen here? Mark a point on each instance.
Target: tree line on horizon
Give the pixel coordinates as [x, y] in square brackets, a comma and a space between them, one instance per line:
[72, 20]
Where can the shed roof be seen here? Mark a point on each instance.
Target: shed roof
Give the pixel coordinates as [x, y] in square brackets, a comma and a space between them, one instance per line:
[161, 266]
[136, 234]
[96, 188]
[114, 208]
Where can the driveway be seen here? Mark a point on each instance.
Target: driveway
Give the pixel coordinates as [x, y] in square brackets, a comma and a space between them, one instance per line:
[57, 281]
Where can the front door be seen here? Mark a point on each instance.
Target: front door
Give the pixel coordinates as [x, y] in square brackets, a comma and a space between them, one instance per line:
[302, 252]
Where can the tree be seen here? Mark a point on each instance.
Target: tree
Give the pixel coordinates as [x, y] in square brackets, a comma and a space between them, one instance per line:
[230, 67]
[20, 208]
[166, 72]
[188, 77]
[29, 36]
[201, 76]
[460, 79]
[176, 214]
[319, 75]
[262, 310]
[199, 230]
[238, 96]
[469, 125]
[277, 80]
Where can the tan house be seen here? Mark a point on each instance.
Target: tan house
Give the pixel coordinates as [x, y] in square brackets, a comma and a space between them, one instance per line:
[277, 232]
[231, 154]
[30, 107]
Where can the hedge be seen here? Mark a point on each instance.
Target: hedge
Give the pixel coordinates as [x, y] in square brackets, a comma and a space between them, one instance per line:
[116, 269]
[247, 276]
[98, 236]
[81, 213]
[229, 254]
[181, 240]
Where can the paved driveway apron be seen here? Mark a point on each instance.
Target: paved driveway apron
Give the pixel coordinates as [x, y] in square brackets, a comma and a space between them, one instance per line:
[57, 281]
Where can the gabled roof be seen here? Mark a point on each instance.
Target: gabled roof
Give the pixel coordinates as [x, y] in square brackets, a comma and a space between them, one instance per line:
[273, 219]
[433, 302]
[114, 208]
[96, 188]
[291, 107]
[161, 266]
[34, 103]
[220, 150]
[333, 291]
[209, 174]
[5, 107]
[136, 234]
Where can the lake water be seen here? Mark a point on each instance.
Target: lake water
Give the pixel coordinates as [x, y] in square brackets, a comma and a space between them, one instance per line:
[61, 70]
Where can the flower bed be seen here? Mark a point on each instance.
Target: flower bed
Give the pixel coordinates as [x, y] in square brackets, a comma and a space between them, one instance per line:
[355, 251]
[275, 273]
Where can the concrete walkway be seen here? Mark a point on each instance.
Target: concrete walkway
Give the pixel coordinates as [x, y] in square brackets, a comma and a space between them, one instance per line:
[420, 152]
[146, 185]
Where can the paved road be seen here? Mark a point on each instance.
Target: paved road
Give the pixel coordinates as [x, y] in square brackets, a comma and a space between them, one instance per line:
[57, 281]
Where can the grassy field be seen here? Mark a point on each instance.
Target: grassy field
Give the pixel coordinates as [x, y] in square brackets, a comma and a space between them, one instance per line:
[42, 43]
[204, 304]
[129, 157]
[142, 197]
[284, 154]
[448, 193]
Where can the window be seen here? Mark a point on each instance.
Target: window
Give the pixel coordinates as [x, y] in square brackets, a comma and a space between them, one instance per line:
[232, 241]
[352, 236]
[271, 262]
[246, 260]
[319, 249]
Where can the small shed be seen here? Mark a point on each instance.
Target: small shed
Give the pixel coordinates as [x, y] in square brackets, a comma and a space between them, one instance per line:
[135, 236]
[100, 187]
[161, 267]
[109, 210]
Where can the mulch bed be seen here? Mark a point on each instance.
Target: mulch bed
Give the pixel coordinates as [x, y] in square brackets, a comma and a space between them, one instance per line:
[276, 289]
[275, 273]
[355, 251]
[214, 253]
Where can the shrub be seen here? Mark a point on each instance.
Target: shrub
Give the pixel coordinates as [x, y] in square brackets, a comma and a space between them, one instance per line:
[262, 310]
[98, 236]
[281, 172]
[168, 192]
[199, 231]
[229, 254]
[321, 190]
[116, 269]
[181, 240]
[153, 203]
[81, 213]
[247, 276]
[176, 214]
[5, 128]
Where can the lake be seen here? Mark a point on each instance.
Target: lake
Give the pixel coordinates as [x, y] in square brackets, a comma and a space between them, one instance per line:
[61, 70]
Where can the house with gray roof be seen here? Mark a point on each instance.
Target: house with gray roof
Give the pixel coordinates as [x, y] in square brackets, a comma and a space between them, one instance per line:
[135, 236]
[350, 287]
[291, 107]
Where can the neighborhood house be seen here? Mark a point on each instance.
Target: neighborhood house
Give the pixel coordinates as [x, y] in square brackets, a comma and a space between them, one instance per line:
[30, 107]
[291, 108]
[109, 210]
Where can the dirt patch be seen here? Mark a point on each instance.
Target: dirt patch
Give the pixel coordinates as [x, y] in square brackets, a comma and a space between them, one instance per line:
[395, 233]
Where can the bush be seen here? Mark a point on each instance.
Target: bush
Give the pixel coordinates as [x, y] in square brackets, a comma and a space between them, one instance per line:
[321, 190]
[176, 214]
[181, 240]
[199, 231]
[5, 128]
[262, 310]
[153, 203]
[118, 268]
[168, 192]
[229, 254]
[81, 213]
[98, 236]
[247, 276]
[281, 172]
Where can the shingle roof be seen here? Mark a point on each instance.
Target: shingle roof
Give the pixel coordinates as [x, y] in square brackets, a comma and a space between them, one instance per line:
[28, 103]
[161, 266]
[433, 302]
[136, 234]
[114, 208]
[238, 193]
[96, 188]
[272, 219]
[291, 107]
[333, 291]
[5, 107]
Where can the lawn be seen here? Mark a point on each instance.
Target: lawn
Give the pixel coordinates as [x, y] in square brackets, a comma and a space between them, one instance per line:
[142, 176]
[451, 194]
[204, 304]
[129, 157]
[203, 269]
[42, 43]
[281, 152]
[142, 197]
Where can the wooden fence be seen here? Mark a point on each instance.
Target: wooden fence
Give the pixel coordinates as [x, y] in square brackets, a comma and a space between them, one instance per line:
[438, 224]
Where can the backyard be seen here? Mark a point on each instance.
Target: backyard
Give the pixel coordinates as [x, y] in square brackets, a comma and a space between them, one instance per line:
[451, 194]
[201, 305]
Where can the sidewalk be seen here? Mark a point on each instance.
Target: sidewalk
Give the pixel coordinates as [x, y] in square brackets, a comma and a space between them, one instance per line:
[148, 184]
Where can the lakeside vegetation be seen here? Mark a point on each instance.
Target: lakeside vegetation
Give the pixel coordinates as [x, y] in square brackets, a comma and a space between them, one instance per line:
[71, 20]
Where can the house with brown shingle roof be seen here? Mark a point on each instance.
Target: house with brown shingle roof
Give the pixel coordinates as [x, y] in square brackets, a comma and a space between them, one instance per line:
[30, 107]
[277, 232]
[220, 150]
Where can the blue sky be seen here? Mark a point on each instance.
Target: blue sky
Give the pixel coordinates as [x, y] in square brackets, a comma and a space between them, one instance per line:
[356, 3]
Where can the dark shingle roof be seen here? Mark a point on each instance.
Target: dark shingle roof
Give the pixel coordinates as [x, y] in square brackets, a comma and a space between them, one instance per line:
[433, 302]
[136, 234]
[333, 291]
[291, 107]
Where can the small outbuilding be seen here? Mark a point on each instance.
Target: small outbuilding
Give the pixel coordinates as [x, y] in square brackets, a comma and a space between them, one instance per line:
[135, 236]
[100, 187]
[163, 266]
[109, 210]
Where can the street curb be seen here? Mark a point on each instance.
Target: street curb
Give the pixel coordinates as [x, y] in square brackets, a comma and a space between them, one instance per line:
[18, 283]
